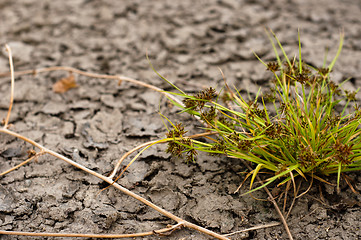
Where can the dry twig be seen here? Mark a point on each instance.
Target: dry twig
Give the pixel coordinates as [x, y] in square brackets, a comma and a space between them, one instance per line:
[94, 75]
[254, 228]
[6, 122]
[23, 163]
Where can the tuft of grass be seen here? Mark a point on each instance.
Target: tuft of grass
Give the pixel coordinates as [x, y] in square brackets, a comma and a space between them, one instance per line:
[299, 127]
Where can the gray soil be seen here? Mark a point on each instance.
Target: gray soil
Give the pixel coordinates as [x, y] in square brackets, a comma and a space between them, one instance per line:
[99, 121]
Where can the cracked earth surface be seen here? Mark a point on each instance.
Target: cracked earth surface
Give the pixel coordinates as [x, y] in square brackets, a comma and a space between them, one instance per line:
[99, 121]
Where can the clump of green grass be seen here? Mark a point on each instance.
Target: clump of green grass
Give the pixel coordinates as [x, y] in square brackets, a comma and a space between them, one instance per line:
[292, 130]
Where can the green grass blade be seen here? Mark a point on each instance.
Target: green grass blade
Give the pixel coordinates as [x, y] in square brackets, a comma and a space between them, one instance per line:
[299, 50]
[275, 50]
[342, 36]
[282, 49]
[255, 172]
[169, 82]
[272, 179]
[338, 177]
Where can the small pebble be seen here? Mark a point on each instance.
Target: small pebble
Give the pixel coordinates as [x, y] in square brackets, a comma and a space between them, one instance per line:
[28, 183]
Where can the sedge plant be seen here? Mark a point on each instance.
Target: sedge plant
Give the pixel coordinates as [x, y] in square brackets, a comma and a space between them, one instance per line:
[301, 126]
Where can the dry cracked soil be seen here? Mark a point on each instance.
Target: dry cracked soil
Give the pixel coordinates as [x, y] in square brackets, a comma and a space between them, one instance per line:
[99, 121]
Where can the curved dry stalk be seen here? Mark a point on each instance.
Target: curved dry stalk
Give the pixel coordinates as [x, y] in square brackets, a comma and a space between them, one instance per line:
[94, 75]
[22, 163]
[6, 122]
[117, 166]
[89, 235]
[347, 180]
[308, 189]
[116, 185]
[293, 200]
[119, 162]
[244, 180]
[286, 193]
[285, 197]
[254, 228]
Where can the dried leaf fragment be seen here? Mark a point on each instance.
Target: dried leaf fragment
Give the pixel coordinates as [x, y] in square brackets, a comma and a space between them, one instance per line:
[64, 84]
